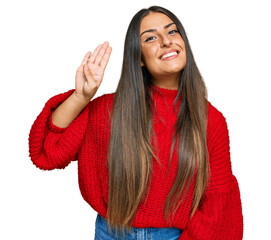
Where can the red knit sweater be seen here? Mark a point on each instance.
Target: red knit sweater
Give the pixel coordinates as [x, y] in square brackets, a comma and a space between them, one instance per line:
[87, 139]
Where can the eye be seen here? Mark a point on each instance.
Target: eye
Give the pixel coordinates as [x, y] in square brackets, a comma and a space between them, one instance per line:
[149, 39]
[173, 32]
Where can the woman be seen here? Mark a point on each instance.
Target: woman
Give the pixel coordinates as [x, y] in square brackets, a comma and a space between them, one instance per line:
[154, 157]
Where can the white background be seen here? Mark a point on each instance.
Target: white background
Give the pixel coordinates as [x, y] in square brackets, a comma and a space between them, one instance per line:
[43, 43]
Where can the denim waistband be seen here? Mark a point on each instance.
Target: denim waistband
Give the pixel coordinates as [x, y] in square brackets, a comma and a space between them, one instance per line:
[102, 232]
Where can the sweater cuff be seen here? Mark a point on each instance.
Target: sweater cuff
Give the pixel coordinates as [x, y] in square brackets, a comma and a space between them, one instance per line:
[53, 128]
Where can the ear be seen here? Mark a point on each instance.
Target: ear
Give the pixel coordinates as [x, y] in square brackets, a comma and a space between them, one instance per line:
[142, 64]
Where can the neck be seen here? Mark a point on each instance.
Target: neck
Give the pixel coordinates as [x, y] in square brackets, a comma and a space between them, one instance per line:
[168, 82]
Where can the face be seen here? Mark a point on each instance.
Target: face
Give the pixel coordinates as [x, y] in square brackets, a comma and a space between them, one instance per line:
[162, 47]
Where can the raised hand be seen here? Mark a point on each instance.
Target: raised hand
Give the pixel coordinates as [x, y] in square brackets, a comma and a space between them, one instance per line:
[90, 73]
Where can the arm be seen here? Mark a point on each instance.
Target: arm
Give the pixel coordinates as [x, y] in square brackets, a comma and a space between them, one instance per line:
[58, 131]
[68, 110]
[53, 147]
[89, 76]
[219, 216]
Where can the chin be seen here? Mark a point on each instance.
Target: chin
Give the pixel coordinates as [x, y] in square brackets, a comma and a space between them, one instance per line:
[175, 70]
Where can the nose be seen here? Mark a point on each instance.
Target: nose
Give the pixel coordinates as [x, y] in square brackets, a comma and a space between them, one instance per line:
[165, 41]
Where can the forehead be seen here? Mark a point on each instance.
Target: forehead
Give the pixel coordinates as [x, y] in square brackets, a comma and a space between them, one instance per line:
[154, 20]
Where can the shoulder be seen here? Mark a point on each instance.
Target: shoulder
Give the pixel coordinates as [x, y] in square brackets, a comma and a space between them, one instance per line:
[216, 125]
[214, 114]
[215, 117]
[101, 102]
[100, 108]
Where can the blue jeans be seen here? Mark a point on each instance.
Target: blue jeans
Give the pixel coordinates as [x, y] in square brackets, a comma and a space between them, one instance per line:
[102, 232]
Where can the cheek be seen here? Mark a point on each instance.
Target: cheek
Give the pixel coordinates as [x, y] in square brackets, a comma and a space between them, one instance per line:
[148, 55]
[149, 50]
[143, 54]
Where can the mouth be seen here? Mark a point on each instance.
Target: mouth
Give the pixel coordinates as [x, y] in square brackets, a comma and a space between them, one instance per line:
[169, 55]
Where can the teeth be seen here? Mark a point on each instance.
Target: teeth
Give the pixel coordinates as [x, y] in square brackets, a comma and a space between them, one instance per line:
[169, 55]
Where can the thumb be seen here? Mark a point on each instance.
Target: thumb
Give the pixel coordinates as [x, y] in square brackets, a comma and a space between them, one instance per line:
[91, 83]
[88, 73]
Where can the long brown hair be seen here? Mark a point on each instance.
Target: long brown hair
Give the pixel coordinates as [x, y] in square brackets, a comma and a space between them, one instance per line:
[131, 152]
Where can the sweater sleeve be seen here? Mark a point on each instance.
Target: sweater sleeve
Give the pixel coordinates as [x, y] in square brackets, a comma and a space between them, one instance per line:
[51, 147]
[219, 216]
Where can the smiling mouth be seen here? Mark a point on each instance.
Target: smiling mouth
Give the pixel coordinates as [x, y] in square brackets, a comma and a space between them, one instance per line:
[168, 55]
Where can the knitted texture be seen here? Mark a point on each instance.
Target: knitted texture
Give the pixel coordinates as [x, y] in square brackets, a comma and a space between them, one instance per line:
[87, 138]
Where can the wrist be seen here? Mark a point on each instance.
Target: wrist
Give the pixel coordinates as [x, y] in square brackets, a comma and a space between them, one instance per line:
[80, 99]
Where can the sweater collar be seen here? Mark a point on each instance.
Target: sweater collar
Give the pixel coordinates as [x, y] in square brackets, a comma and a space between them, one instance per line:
[163, 95]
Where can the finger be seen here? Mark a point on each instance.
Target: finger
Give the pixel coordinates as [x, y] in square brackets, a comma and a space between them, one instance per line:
[88, 73]
[80, 68]
[101, 53]
[106, 57]
[85, 60]
[94, 54]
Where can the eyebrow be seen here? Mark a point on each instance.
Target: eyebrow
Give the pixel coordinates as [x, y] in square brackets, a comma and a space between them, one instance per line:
[153, 30]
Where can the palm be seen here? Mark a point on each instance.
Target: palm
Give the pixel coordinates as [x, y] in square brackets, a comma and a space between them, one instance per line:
[97, 72]
[96, 62]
